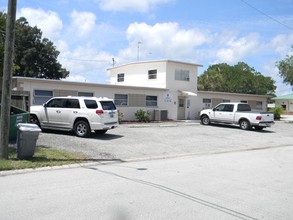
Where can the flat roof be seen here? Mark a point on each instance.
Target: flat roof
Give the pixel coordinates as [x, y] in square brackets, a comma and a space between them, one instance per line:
[41, 80]
[231, 93]
[154, 61]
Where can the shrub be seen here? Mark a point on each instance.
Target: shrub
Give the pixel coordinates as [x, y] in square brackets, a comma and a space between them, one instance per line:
[278, 110]
[142, 116]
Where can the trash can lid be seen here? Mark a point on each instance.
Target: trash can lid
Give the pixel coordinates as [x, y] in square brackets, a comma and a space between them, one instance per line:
[28, 127]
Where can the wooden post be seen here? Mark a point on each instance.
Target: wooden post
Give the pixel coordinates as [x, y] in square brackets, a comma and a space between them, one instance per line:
[7, 79]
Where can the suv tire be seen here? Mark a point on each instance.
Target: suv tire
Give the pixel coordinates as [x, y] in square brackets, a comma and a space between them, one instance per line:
[81, 128]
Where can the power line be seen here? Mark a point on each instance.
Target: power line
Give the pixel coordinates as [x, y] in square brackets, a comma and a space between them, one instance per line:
[270, 17]
[84, 60]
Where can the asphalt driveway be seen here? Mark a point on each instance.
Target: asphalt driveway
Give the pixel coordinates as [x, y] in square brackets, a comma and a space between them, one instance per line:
[169, 139]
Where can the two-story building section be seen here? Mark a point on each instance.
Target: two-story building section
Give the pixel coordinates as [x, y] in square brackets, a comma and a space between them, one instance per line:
[179, 78]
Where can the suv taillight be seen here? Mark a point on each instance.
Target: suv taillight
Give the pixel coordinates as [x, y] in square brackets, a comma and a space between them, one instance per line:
[258, 118]
[99, 112]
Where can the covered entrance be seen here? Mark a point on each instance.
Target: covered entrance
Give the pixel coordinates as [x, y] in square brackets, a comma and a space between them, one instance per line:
[183, 112]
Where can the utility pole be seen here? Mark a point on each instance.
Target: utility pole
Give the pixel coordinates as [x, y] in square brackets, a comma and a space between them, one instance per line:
[7, 79]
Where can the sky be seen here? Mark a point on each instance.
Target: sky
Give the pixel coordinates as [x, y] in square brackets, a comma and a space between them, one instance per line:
[93, 35]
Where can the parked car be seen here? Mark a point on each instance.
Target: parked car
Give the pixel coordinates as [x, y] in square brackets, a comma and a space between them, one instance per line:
[80, 114]
[238, 114]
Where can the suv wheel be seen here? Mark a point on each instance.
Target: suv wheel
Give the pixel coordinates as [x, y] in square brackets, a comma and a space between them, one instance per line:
[82, 129]
[34, 120]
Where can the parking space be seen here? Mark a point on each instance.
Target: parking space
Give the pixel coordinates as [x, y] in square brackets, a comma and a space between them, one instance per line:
[170, 139]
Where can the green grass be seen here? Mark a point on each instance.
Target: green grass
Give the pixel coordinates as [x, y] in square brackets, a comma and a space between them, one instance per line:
[43, 157]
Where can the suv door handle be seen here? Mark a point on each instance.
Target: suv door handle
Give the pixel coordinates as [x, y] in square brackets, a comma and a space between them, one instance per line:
[58, 111]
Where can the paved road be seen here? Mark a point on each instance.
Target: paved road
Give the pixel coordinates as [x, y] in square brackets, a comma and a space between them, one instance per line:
[159, 140]
[248, 185]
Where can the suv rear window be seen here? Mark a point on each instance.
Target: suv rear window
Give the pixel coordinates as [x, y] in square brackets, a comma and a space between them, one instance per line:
[92, 104]
[108, 105]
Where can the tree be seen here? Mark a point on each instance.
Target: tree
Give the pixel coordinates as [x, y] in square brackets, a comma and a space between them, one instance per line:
[34, 56]
[286, 69]
[239, 78]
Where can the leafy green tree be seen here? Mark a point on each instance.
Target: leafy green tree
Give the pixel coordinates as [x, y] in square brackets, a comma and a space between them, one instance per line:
[34, 56]
[239, 78]
[286, 69]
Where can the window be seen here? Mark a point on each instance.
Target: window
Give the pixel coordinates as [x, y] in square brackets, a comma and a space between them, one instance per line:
[259, 105]
[228, 108]
[56, 103]
[151, 100]
[42, 96]
[108, 105]
[220, 108]
[181, 103]
[207, 103]
[121, 100]
[243, 107]
[91, 104]
[152, 74]
[182, 75]
[243, 101]
[72, 103]
[86, 94]
[120, 77]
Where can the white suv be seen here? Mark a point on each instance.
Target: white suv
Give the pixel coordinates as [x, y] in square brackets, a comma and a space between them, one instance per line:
[80, 114]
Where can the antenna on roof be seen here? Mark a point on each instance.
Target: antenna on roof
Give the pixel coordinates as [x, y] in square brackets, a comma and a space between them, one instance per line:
[113, 62]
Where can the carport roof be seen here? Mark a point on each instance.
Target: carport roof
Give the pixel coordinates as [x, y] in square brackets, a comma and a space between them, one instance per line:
[284, 97]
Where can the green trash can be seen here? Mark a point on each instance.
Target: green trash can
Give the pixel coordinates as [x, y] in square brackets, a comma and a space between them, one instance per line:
[17, 115]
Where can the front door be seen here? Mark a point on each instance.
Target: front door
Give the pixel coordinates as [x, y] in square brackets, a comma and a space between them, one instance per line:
[181, 108]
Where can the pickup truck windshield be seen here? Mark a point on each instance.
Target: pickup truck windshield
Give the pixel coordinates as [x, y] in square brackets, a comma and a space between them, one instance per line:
[243, 108]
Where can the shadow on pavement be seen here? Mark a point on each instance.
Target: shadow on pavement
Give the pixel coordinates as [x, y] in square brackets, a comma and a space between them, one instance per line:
[93, 135]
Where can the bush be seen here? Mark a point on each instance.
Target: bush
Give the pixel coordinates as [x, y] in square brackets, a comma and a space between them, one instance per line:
[142, 116]
[277, 112]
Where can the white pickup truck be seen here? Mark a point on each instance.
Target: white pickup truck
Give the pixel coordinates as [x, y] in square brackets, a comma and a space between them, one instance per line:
[238, 114]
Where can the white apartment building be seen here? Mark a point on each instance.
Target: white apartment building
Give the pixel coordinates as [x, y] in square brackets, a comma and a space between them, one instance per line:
[166, 88]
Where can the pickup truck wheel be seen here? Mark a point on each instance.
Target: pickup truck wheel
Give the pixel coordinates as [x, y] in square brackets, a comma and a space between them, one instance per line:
[205, 120]
[82, 129]
[244, 124]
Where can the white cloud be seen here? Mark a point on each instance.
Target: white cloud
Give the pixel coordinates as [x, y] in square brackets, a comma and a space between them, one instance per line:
[48, 21]
[130, 5]
[280, 43]
[83, 22]
[163, 39]
[85, 63]
[235, 49]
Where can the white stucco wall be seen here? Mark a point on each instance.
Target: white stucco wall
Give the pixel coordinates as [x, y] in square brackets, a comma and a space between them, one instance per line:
[136, 74]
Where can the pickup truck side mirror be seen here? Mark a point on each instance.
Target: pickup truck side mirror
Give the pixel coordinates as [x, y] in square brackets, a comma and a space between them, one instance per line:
[45, 105]
[214, 109]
